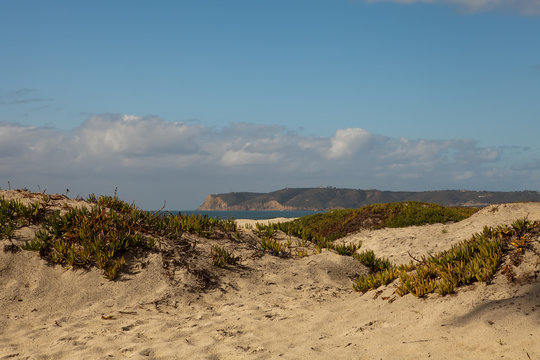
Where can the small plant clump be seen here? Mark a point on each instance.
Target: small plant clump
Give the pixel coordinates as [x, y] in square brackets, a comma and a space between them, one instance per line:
[221, 257]
[14, 214]
[345, 249]
[273, 246]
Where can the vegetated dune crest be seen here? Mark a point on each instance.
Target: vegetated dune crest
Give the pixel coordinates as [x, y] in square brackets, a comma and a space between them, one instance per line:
[267, 306]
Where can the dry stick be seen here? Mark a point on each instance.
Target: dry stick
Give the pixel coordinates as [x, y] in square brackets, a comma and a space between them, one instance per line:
[415, 341]
[163, 207]
[415, 259]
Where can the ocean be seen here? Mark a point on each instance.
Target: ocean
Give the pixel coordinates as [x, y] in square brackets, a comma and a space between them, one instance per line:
[253, 215]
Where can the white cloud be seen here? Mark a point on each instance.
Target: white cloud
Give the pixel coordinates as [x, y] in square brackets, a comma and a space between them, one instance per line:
[523, 7]
[152, 160]
[348, 142]
[135, 136]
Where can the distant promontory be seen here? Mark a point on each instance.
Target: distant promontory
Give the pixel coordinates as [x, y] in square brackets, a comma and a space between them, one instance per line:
[317, 199]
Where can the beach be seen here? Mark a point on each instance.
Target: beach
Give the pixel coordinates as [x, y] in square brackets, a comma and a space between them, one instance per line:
[267, 306]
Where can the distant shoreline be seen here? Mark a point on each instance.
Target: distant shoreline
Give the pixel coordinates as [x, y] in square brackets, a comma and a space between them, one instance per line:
[245, 214]
[323, 199]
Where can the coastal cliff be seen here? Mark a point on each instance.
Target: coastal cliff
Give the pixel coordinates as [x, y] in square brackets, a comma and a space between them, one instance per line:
[320, 199]
[215, 202]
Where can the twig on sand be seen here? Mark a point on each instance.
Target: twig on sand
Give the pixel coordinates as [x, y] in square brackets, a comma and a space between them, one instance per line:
[415, 259]
[415, 341]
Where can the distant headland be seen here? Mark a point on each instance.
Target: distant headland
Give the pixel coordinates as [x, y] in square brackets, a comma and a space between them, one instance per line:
[320, 199]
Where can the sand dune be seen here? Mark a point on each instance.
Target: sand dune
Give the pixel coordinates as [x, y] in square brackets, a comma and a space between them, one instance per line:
[267, 307]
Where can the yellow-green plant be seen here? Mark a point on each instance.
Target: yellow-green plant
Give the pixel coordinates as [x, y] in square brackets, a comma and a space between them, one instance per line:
[84, 237]
[345, 249]
[221, 257]
[14, 214]
[273, 246]
[376, 279]
[476, 259]
[101, 235]
[301, 252]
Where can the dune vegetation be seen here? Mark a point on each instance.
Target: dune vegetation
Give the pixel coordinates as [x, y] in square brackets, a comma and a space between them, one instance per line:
[100, 234]
[335, 224]
[476, 259]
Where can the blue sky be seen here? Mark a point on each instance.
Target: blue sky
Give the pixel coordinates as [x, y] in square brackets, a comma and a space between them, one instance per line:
[177, 99]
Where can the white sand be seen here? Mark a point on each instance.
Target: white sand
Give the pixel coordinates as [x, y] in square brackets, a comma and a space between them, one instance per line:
[269, 307]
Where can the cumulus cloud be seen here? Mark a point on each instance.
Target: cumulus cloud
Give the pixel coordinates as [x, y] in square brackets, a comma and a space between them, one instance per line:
[151, 158]
[523, 7]
[130, 135]
[348, 142]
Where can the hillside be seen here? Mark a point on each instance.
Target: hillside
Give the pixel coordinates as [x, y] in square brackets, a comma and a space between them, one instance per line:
[332, 198]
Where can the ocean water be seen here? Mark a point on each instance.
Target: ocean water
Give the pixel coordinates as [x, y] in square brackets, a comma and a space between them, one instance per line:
[253, 215]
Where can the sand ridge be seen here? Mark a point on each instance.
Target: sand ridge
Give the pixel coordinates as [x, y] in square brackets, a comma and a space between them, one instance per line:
[268, 307]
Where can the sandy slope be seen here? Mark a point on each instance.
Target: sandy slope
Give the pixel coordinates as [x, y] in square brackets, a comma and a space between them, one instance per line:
[269, 307]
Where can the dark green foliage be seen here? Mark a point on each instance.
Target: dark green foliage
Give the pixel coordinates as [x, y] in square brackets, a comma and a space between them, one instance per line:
[418, 213]
[335, 224]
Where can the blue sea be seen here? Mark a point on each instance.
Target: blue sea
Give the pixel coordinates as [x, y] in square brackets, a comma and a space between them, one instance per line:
[253, 215]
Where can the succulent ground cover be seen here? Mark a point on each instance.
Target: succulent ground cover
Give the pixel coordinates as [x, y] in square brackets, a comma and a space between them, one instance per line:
[325, 228]
[101, 235]
[477, 259]
[335, 224]
[14, 214]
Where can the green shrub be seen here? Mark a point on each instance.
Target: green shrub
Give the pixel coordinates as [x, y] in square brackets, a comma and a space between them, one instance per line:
[327, 227]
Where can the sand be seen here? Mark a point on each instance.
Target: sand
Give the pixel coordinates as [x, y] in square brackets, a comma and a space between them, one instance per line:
[268, 307]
